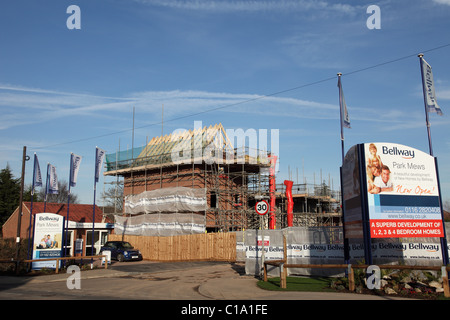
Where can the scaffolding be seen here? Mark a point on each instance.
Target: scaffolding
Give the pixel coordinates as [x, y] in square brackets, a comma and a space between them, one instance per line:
[234, 179]
[315, 205]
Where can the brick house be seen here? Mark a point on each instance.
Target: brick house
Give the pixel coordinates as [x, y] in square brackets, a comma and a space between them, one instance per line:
[79, 226]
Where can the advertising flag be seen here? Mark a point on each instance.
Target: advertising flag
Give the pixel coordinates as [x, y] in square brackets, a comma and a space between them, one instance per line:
[52, 180]
[99, 155]
[428, 88]
[344, 114]
[75, 161]
[37, 177]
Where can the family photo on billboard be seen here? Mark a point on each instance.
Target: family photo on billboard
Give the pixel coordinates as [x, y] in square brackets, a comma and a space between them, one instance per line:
[378, 174]
[397, 169]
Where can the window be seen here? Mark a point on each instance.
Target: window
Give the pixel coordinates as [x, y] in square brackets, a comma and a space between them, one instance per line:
[100, 238]
[213, 200]
[68, 243]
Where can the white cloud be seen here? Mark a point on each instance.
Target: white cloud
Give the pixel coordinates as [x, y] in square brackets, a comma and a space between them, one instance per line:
[446, 2]
[48, 105]
[22, 106]
[443, 94]
[253, 6]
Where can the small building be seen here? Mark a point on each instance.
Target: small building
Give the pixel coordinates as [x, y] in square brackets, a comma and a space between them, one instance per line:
[79, 226]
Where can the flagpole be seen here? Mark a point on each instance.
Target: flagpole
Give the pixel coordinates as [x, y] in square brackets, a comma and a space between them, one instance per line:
[443, 240]
[420, 55]
[96, 176]
[31, 208]
[66, 227]
[340, 114]
[99, 155]
[46, 188]
[341, 105]
[93, 221]
[93, 207]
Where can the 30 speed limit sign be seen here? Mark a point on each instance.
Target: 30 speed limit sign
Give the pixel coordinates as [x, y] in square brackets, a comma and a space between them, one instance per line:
[262, 207]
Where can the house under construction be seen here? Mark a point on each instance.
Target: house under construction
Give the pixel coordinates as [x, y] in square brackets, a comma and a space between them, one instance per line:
[196, 181]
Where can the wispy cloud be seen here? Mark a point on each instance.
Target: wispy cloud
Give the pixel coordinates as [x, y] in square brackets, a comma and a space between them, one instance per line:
[446, 2]
[17, 104]
[253, 6]
[21, 105]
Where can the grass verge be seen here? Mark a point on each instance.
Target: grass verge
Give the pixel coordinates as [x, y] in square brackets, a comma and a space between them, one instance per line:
[323, 284]
[310, 284]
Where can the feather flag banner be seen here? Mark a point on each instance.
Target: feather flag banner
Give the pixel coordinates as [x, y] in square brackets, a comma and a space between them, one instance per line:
[343, 107]
[428, 88]
[75, 162]
[99, 155]
[52, 180]
[37, 177]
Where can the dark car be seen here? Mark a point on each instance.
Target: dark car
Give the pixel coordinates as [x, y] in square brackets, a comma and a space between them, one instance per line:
[122, 251]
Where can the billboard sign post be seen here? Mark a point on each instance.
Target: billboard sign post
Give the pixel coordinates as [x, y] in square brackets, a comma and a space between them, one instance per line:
[48, 235]
[391, 191]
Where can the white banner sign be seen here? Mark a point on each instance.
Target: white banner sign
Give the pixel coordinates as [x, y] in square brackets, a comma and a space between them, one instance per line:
[48, 231]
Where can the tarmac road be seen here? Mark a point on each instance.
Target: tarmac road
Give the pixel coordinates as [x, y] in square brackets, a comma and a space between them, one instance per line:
[144, 280]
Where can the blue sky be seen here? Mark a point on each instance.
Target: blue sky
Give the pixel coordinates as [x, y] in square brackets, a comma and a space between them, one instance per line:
[65, 91]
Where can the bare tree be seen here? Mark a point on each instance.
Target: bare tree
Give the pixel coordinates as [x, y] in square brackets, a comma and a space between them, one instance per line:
[113, 198]
[61, 197]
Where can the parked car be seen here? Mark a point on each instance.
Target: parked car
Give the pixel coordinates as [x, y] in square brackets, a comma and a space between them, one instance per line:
[122, 251]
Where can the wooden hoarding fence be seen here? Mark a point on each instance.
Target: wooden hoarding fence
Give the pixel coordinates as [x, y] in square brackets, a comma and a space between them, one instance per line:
[204, 246]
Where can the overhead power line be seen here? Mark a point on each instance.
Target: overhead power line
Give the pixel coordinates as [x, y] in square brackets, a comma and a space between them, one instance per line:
[247, 100]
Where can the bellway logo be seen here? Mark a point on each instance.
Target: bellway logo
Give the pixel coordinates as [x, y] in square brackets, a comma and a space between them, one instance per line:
[49, 218]
[405, 154]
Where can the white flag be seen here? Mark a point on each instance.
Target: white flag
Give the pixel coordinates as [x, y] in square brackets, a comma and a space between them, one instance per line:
[99, 155]
[344, 114]
[52, 180]
[75, 162]
[428, 87]
[37, 177]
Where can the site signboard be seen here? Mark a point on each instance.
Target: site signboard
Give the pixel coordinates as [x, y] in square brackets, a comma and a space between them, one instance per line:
[351, 195]
[390, 191]
[402, 192]
[48, 231]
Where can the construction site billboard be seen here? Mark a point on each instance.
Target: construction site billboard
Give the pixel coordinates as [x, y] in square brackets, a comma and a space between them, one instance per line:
[351, 195]
[390, 191]
[403, 192]
[47, 241]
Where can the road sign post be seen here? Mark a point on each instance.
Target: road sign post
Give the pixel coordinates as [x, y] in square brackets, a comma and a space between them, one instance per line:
[261, 208]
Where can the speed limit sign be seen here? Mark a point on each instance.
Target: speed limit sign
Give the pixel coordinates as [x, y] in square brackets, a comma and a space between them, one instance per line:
[262, 207]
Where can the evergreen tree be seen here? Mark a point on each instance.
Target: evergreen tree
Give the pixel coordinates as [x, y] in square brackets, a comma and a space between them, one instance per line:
[9, 194]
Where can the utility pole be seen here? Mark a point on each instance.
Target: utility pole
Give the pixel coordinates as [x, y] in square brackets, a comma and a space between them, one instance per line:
[19, 218]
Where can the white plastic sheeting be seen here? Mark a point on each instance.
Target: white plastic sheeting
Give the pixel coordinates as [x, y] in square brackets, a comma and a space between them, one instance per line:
[164, 212]
[177, 199]
[161, 224]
